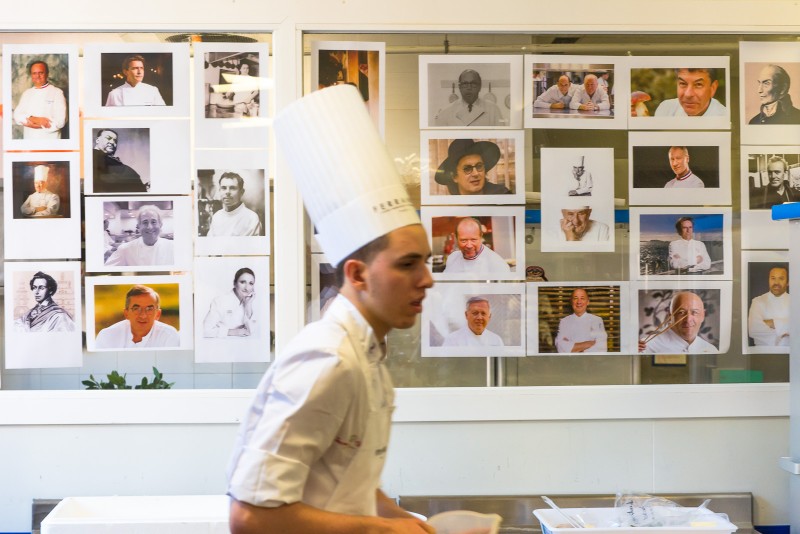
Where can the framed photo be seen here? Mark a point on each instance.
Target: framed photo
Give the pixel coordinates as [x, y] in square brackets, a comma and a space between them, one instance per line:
[139, 313]
[476, 242]
[765, 297]
[135, 234]
[577, 318]
[680, 93]
[232, 319]
[136, 80]
[769, 90]
[232, 203]
[42, 205]
[474, 320]
[473, 167]
[234, 81]
[463, 91]
[361, 64]
[43, 315]
[576, 92]
[672, 318]
[770, 176]
[679, 244]
[323, 286]
[679, 168]
[40, 97]
[137, 157]
[577, 199]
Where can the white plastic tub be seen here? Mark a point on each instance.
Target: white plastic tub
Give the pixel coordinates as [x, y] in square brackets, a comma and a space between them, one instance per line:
[554, 523]
[181, 514]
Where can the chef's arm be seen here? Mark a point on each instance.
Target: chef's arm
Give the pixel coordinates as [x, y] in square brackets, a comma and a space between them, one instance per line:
[300, 518]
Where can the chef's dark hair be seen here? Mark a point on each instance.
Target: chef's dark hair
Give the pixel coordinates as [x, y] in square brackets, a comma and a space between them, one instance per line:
[365, 254]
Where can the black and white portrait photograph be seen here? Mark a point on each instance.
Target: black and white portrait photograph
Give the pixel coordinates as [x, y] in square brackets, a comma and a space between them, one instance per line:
[136, 157]
[232, 211]
[577, 199]
[472, 319]
[463, 91]
[476, 242]
[580, 92]
[680, 93]
[43, 316]
[770, 176]
[357, 63]
[577, 318]
[678, 244]
[766, 302]
[135, 234]
[682, 318]
[323, 286]
[473, 167]
[42, 205]
[40, 97]
[679, 168]
[232, 85]
[139, 313]
[232, 304]
[769, 89]
[136, 80]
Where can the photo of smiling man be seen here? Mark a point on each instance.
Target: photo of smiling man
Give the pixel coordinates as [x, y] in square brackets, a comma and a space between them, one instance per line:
[146, 245]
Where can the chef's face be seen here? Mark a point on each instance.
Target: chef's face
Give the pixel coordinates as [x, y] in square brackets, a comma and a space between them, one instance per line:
[768, 91]
[687, 230]
[590, 84]
[142, 312]
[106, 142]
[678, 160]
[695, 91]
[478, 315]
[149, 227]
[134, 73]
[775, 172]
[778, 281]
[39, 290]
[578, 218]
[469, 84]
[245, 285]
[230, 193]
[470, 175]
[577, 171]
[468, 238]
[38, 185]
[580, 301]
[392, 285]
[244, 69]
[690, 315]
[38, 74]
[563, 85]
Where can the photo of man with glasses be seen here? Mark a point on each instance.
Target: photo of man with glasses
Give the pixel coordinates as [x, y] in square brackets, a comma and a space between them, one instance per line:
[140, 327]
[471, 109]
[464, 171]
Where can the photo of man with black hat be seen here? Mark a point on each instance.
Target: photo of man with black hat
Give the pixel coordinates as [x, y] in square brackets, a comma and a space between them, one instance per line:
[464, 170]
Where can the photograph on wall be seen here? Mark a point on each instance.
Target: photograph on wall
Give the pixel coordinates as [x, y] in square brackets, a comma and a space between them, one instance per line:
[770, 176]
[769, 89]
[682, 318]
[42, 205]
[232, 196]
[137, 157]
[234, 81]
[323, 286]
[360, 64]
[577, 318]
[680, 93]
[476, 242]
[40, 97]
[43, 316]
[578, 92]
[577, 199]
[674, 244]
[473, 167]
[473, 319]
[135, 234]
[679, 168]
[463, 91]
[136, 80]
[232, 305]
[765, 296]
[138, 313]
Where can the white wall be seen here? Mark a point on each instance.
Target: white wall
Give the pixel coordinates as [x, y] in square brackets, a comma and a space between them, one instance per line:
[593, 454]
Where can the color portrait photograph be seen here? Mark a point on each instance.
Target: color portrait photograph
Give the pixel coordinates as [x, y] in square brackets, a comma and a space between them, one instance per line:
[766, 301]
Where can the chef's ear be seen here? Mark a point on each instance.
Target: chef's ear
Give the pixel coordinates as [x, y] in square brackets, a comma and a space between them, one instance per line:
[354, 271]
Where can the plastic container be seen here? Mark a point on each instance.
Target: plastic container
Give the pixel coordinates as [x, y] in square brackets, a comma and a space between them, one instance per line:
[554, 523]
[181, 514]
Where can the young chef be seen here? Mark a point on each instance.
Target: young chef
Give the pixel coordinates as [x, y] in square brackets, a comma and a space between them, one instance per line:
[310, 451]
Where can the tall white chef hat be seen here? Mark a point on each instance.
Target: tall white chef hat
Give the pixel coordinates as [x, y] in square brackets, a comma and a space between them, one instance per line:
[349, 185]
[40, 173]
